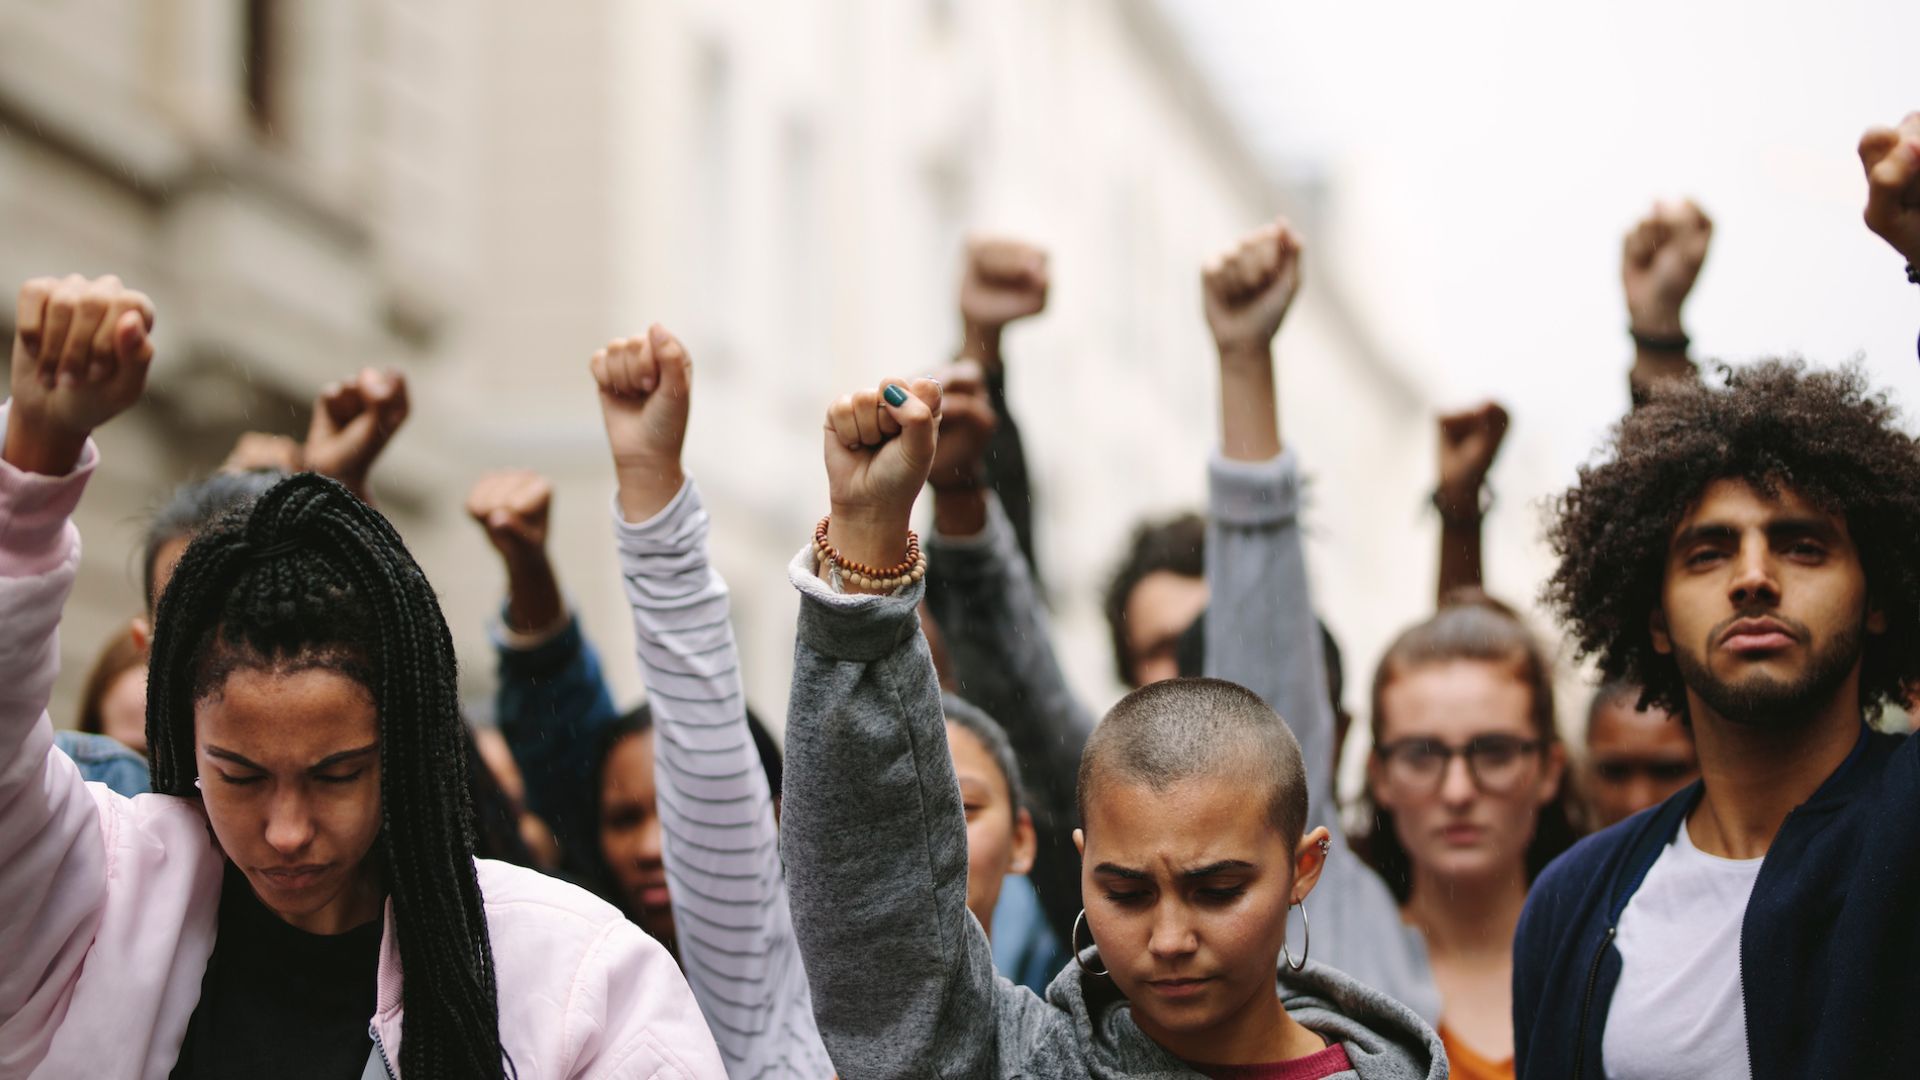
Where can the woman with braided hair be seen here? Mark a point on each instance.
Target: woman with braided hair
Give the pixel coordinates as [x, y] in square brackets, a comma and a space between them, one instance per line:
[299, 897]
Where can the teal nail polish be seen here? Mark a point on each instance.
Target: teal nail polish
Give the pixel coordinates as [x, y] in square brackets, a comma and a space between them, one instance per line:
[895, 396]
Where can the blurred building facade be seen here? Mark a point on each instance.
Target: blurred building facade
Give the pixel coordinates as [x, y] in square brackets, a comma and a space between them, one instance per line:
[481, 196]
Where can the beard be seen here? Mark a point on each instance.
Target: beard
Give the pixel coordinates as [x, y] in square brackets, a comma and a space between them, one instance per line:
[1762, 701]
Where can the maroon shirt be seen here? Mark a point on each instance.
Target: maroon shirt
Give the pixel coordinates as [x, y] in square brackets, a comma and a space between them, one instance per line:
[1329, 1062]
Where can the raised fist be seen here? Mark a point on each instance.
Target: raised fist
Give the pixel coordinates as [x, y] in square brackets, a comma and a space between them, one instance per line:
[80, 356]
[879, 448]
[352, 423]
[511, 505]
[1249, 287]
[1469, 441]
[966, 423]
[1005, 279]
[1891, 157]
[1659, 261]
[646, 386]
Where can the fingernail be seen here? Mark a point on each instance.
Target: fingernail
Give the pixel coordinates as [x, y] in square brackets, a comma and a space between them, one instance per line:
[895, 396]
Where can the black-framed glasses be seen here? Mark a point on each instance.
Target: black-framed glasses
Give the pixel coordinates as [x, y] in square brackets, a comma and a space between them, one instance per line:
[1496, 763]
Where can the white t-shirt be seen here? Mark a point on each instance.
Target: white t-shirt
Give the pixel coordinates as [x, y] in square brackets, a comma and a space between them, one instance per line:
[1678, 1012]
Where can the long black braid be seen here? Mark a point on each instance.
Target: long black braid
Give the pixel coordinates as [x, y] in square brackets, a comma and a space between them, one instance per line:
[309, 576]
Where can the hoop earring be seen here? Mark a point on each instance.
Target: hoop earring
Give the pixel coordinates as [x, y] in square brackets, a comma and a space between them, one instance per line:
[1075, 942]
[1306, 943]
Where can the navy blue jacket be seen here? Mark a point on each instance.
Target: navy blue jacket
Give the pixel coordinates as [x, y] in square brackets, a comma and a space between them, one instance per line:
[1829, 949]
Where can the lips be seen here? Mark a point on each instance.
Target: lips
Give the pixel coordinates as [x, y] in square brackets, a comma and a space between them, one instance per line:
[1176, 989]
[1756, 635]
[295, 878]
[1462, 835]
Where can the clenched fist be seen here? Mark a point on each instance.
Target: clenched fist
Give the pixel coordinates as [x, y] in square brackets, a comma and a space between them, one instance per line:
[80, 356]
[1249, 287]
[646, 387]
[967, 422]
[879, 449]
[1005, 279]
[1659, 261]
[512, 505]
[1891, 157]
[352, 423]
[1469, 441]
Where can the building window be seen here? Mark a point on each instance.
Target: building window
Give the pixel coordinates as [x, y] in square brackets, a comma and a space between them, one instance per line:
[260, 63]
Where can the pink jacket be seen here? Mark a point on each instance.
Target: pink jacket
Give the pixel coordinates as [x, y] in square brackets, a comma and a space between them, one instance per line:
[108, 904]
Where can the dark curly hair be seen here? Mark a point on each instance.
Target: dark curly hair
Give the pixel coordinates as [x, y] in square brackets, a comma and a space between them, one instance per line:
[1177, 545]
[1824, 435]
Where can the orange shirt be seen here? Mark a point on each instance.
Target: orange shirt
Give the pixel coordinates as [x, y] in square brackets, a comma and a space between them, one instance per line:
[1464, 1064]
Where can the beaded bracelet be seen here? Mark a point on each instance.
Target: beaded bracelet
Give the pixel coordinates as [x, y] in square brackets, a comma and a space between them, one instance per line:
[862, 576]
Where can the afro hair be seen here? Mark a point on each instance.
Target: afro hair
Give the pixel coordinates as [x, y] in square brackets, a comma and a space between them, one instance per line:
[1824, 435]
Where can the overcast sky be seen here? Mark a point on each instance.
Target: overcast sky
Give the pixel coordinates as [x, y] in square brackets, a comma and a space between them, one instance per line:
[1480, 159]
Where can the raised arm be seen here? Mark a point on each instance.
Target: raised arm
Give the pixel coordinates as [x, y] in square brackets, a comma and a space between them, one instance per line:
[80, 357]
[1004, 280]
[729, 894]
[1469, 441]
[983, 597]
[552, 701]
[1261, 631]
[353, 421]
[1660, 259]
[1891, 157]
[873, 832]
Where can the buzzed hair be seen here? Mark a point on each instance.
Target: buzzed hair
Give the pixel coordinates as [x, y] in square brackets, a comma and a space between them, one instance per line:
[1182, 729]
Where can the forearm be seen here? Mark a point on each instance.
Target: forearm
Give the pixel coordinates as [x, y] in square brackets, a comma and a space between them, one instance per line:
[728, 891]
[874, 840]
[534, 604]
[1460, 551]
[1249, 413]
[982, 595]
[981, 342]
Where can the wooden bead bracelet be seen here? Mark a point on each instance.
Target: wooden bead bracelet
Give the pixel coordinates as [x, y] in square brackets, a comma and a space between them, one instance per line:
[860, 575]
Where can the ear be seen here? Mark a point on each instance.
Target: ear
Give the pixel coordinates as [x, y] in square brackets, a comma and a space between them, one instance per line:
[1657, 629]
[1080, 842]
[1554, 773]
[1025, 844]
[141, 631]
[1308, 861]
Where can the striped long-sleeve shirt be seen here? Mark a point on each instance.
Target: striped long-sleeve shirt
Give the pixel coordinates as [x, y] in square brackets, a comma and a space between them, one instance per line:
[729, 893]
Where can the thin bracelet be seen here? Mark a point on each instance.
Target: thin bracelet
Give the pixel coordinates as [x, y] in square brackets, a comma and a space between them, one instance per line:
[1676, 344]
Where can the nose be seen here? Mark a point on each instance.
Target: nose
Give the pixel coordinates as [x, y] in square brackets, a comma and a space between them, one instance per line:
[1172, 934]
[650, 848]
[1456, 784]
[289, 824]
[1754, 581]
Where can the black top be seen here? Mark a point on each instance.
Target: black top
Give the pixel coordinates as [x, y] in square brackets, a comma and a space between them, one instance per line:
[278, 1001]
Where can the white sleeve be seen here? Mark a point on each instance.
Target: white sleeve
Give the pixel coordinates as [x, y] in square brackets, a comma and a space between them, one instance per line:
[729, 892]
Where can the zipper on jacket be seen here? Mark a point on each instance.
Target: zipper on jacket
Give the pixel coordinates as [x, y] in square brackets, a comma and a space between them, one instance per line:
[381, 1049]
[1586, 1004]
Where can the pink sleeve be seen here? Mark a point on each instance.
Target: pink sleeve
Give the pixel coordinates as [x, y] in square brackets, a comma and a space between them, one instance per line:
[52, 857]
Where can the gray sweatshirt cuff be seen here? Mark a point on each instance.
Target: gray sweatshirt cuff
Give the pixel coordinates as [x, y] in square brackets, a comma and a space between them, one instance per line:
[1254, 493]
[857, 627]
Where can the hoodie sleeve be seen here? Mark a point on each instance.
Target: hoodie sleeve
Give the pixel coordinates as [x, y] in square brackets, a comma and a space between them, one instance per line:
[53, 871]
[1261, 633]
[730, 907]
[875, 842]
[982, 594]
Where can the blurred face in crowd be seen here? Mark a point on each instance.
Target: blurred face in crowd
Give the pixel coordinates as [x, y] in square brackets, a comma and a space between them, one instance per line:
[290, 777]
[1463, 816]
[1764, 605]
[1635, 759]
[1187, 891]
[631, 840]
[123, 710]
[1159, 610]
[999, 840]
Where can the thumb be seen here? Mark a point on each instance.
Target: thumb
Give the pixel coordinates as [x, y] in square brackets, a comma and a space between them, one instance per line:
[670, 357]
[130, 341]
[916, 408]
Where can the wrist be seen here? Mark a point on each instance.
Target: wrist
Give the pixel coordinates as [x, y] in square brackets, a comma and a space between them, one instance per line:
[980, 341]
[959, 513]
[42, 448]
[1656, 323]
[865, 535]
[645, 488]
[1241, 358]
[1461, 504]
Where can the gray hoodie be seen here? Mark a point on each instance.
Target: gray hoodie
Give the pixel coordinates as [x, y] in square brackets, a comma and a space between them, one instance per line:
[874, 840]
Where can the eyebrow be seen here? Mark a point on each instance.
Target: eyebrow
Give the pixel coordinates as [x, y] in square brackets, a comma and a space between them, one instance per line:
[1776, 529]
[326, 762]
[1207, 871]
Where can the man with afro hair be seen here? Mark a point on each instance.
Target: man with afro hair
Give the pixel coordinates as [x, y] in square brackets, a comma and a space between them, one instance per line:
[1749, 554]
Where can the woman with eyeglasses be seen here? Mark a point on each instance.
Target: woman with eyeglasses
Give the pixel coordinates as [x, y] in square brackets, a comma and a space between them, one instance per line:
[1466, 805]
